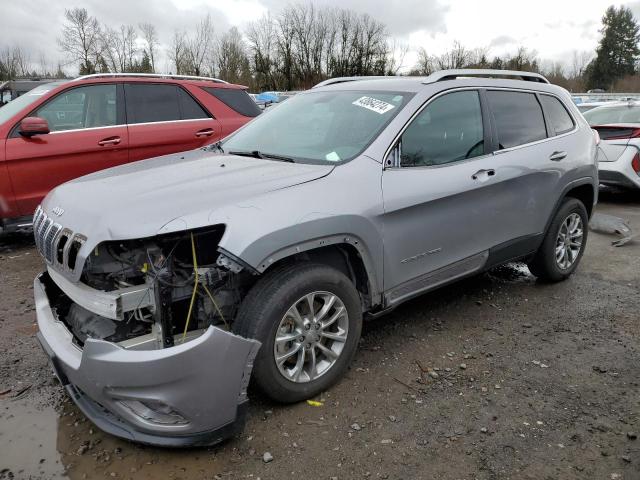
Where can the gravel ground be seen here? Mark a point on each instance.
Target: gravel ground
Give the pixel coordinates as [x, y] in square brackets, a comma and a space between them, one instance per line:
[495, 377]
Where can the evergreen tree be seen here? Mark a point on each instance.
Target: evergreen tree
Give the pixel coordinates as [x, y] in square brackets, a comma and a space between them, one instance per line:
[618, 52]
[145, 64]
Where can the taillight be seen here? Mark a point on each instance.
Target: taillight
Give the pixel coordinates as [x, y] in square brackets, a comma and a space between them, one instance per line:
[635, 163]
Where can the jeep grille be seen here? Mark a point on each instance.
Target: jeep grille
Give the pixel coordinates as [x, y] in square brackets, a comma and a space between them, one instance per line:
[54, 243]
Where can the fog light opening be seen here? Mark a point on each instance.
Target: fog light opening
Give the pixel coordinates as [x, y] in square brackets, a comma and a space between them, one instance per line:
[154, 412]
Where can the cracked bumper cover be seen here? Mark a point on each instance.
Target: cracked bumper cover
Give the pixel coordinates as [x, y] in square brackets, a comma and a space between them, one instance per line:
[203, 380]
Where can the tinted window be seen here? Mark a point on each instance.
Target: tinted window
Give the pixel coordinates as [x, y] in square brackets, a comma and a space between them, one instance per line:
[189, 108]
[152, 103]
[236, 99]
[447, 130]
[557, 116]
[82, 107]
[518, 118]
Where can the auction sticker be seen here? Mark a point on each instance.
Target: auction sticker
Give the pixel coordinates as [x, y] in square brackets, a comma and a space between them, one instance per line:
[373, 104]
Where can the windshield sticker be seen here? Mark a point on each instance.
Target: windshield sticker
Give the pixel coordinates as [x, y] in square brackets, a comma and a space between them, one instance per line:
[373, 104]
[332, 157]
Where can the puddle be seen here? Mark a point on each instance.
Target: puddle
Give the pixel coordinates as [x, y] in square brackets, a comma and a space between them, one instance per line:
[28, 439]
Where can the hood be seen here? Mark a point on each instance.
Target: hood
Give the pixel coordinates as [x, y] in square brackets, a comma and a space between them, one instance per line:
[169, 193]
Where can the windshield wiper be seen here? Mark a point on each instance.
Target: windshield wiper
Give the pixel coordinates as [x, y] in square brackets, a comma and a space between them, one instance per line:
[214, 146]
[259, 154]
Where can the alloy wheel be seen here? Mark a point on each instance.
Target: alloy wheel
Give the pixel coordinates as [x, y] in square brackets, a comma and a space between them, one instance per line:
[569, 241]
[311, 336]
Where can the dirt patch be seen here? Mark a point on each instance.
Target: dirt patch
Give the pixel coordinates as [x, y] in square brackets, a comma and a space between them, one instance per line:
[494, 377]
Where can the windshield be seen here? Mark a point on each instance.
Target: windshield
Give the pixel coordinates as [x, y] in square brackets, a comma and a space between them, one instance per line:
[23, 101]
[319, 127]
[611, 115]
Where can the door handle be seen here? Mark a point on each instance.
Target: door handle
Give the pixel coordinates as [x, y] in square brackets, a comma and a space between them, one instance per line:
[483, 174]
[109, 141]
[557, 156]
[207, 132]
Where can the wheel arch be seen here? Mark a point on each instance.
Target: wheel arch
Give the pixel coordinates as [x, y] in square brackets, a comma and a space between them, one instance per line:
[345, 253]
[582, 189]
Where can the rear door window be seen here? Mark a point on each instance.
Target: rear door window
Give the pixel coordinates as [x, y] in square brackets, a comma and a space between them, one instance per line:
[236, 99]
[558, 118]
[518, 118]
[148, 103]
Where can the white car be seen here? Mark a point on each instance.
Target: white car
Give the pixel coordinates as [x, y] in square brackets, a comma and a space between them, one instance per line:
[618, 124]
[586, 106]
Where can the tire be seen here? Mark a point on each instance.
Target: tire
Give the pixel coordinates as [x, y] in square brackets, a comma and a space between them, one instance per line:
[545, 264]
[266, 313]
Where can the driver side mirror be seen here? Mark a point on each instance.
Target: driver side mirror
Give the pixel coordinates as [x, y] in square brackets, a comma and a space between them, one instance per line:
[31, 126]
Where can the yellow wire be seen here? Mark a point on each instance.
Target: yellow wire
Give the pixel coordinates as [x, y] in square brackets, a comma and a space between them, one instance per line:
[215, 305]
[195, 287]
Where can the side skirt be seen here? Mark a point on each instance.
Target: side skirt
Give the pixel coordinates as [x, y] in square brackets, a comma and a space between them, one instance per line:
[517, 249]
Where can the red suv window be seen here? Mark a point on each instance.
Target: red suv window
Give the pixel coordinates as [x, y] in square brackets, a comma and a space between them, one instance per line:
[147, 103]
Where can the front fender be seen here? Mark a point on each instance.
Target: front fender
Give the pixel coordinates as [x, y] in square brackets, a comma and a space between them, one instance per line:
[265, 250]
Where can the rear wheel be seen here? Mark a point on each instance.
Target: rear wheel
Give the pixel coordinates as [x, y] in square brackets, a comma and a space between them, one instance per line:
[563, 245]
[308, 318]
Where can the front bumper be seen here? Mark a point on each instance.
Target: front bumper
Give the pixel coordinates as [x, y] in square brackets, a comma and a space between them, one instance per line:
[203, 381]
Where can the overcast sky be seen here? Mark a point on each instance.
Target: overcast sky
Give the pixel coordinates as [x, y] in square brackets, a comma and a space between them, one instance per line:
[553, 28]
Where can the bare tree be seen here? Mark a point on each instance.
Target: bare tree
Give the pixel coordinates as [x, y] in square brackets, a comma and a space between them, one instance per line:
[231, 58]
[177, 53]
[424, 65]
[150, 37]
[80, 38]
[457, 57]
[198, 49]
[261, 37]
[579, 62]
[118, 48]
[396, 54]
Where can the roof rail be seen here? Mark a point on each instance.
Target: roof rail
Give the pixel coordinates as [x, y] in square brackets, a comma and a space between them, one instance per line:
[443, 75]
[335, 80]
[149, 75]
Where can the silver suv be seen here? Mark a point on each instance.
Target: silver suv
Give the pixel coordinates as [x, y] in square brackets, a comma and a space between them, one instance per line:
[173, 281]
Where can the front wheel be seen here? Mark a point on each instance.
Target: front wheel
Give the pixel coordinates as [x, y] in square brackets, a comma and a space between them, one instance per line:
[563, 245]
[308, 318]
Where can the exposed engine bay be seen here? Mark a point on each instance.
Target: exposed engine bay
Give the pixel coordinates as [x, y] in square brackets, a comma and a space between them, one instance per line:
[194, 286]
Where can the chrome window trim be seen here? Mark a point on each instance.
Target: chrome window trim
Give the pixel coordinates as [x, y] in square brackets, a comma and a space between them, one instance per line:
[497, 152]
[128, 125]
[58, 132]
[171, 121]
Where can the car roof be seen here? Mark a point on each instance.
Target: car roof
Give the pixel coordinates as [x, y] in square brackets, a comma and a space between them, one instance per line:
[417, 84]
[444, 79]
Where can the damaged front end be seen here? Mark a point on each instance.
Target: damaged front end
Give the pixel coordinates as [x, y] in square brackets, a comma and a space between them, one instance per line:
[143, 340]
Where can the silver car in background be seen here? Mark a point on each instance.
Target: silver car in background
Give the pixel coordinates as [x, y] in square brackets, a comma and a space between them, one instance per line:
[172, 282]
[618, 124]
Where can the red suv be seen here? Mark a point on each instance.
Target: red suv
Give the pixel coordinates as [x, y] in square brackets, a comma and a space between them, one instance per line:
[63, 130]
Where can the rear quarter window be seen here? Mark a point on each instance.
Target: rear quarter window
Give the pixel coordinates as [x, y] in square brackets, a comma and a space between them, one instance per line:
[236, 99]
[518, 118]
[558, 118]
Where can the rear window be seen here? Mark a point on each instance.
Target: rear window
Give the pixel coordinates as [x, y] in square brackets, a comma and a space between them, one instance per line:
[148, 103]
[613, 114]
[559, 119]
[518, 117]
[237, 100]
